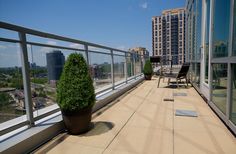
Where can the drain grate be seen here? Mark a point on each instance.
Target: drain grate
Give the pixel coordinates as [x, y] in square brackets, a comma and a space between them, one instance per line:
[168, 99]
[179, 94]
[187, 113]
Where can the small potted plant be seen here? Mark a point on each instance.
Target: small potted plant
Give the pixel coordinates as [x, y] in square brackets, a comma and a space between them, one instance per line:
[147, 71]
[75, 94]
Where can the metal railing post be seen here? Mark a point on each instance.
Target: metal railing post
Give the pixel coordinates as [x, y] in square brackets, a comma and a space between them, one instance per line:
[125, 70]
[112, 71]
[26, 79]
[86, 53]
[134, 60]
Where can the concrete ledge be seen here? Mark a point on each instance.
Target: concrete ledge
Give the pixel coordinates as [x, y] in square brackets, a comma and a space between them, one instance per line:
[29, 139]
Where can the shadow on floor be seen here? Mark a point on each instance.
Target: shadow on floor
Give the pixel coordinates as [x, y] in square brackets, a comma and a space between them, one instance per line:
[99, 127]
[174, 86]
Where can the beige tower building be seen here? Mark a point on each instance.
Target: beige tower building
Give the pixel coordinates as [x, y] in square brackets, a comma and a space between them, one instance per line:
[168, 36]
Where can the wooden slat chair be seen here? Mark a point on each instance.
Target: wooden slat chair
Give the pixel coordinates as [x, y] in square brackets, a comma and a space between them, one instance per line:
[182, 74]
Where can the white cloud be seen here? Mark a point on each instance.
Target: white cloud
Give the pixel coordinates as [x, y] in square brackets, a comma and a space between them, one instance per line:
[78, 46]
[122, 47]
[47, 49]
[144, 5]
[51, 42]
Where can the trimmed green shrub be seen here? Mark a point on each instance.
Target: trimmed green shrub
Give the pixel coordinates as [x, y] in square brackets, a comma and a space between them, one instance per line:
[75, 89]
[148, 68]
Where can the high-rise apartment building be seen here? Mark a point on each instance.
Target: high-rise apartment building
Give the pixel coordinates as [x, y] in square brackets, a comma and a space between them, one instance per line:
[168, 36]
[55, 63]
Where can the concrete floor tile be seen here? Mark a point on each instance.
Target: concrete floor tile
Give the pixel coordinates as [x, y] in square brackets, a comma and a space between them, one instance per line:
[70, 148]
[205, 111]
[100, 136]
[183, 106]
[201, 142]
[143, 140]
[133, 103]
[124, 107]
[182, 123]
[153, 110]
[119, 117]
[159, 121]
[193, 142]
[110, 151]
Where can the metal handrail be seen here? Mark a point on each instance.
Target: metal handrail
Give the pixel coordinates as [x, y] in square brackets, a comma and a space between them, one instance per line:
[52, 36]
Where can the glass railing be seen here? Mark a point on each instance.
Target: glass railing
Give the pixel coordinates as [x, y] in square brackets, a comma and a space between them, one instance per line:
[11, 82]
[31, 63]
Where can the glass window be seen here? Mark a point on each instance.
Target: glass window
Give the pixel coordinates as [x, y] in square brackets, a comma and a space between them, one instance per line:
[233, 107]
[219, 86]
[221, 28]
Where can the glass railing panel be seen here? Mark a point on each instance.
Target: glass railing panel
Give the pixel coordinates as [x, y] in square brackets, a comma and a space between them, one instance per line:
[12, 103]
[96, 49]
[9, 34]
[130, 66]
[46, 65]
[137, 64]
[100, 69]
[119, 53]
[54, 42]
[119, 69]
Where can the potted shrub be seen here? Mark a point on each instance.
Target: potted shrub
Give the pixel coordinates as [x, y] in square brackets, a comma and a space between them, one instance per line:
[75, 94]
[147, 71]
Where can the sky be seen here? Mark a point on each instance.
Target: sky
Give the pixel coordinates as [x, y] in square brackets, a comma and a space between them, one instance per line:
[121, 24]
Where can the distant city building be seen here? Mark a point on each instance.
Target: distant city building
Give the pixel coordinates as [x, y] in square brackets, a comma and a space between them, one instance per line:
[141, 51]
[139, 60]
[55, 63]
[168, 36]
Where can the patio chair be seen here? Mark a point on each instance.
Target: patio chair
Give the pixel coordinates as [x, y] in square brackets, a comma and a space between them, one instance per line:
[182, 74]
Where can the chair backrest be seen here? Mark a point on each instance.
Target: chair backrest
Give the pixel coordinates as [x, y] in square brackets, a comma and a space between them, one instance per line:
[183, 70]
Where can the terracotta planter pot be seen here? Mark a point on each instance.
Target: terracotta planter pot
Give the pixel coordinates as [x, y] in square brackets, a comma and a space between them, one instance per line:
[79, 122]
[148, 76]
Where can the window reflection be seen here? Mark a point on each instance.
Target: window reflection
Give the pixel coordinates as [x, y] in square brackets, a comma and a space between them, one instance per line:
[219, 86]
[221, 28]
[233, 108]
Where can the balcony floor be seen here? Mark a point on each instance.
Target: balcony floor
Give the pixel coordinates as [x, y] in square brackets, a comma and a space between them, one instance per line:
[141, 122]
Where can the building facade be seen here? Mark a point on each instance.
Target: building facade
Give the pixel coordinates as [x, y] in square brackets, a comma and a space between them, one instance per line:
[143, 52]
[140, 56]
[211, 50]
[168, 36]
[55, 63]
